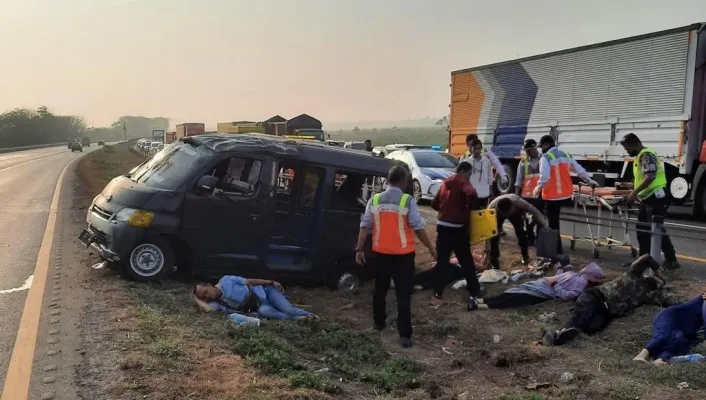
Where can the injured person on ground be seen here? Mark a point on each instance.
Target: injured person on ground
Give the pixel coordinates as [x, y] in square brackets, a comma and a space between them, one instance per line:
[233, 294]
[595, 308]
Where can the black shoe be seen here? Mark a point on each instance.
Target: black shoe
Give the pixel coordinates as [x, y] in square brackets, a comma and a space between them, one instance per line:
[548, 337]
[406, 342]
[379, 328]
[472, 304]
[671, 265]
[565, 335]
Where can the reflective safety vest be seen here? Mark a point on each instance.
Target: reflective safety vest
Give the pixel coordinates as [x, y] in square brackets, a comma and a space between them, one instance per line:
[529, 179]
[660, 180]
[391, 231]
[559, 186]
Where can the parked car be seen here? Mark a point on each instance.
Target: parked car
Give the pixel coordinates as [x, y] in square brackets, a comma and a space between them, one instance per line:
[76, 146]
[429, 168]
[354, 145]
[101, 143]
[246, 204]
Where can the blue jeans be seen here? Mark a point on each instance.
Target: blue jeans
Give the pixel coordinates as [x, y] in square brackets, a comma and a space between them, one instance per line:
[275, 306]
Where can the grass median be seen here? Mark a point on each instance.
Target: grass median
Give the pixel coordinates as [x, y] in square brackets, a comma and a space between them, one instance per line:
[166, 349]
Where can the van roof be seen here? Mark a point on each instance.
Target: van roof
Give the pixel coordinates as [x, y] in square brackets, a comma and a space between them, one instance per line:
[305, 150]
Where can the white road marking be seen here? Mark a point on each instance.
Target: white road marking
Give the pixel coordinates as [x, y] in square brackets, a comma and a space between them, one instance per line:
[26, 285]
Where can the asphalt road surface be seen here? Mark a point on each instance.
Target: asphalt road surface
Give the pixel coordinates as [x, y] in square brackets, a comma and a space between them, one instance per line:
[692, 250]
[27, 183]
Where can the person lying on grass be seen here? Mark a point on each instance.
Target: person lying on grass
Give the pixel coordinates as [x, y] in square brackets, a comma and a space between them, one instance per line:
[675, 331]
[564, 286]
[597, 306]
[235, 294]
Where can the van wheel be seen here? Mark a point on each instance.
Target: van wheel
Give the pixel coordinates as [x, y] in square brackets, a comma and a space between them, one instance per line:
[508, 187]
[347, 281]
[417, 190]
[150, 260]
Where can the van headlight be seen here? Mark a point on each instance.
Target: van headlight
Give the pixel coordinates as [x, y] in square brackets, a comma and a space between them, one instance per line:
[136, 218]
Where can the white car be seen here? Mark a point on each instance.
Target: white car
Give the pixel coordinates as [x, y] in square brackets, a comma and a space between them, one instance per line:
[428, 167]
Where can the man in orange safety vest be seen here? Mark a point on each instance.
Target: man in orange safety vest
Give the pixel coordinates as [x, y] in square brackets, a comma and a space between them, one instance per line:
[555, 182]
[394, 219]
[526, 180]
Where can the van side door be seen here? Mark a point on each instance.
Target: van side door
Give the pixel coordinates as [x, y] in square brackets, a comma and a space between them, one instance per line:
[224, 227]
[298, 205]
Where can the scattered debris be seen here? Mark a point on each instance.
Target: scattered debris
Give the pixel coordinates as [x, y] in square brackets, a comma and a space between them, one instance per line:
[348, 306]
[682, 386]
[567, 377]
[322, 370]
[445, 350]
[537, 385]
[99, 265]
[464, 396]
[496, 339]
[547, 317]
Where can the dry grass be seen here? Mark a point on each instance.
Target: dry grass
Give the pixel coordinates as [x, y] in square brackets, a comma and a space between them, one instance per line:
[171, 351]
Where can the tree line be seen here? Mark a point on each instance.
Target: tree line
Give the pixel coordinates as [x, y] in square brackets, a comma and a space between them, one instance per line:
[29, 127]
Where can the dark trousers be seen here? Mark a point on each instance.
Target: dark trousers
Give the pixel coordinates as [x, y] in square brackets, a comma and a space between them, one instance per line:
[649, 207]
[458, 241]
[510, 300]
[427, 279]
[531, 227]
[518, 224]
[589, 313]
[553, 208]
[399, 267]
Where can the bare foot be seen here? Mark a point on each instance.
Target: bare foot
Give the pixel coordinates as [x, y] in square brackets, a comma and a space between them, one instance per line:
[659, 362]
[642, 356]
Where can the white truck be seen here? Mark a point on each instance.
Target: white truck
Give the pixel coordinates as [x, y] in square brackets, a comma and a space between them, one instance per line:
[588, 98]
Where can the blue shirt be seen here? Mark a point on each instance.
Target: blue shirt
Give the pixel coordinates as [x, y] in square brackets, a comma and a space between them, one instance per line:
[393, 195]
[234, 292]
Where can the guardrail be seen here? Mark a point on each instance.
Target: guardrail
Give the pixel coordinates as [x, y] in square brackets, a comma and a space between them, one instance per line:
[36, 146]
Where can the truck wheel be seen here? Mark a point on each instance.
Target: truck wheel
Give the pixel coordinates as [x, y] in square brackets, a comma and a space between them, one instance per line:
[510, 186]
[150, 260]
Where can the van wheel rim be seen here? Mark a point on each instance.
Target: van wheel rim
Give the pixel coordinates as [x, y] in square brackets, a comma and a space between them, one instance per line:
[417, 189]
[347, 282]
[147, 260]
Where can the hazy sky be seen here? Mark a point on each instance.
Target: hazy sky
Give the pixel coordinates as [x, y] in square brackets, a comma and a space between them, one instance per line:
[339, 60]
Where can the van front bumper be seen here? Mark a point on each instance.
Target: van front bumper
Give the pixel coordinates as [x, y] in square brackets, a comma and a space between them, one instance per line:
[112, 240]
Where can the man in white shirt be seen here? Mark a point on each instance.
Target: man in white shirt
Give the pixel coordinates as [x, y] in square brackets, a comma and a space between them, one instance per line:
[499, 169]
[481, 175]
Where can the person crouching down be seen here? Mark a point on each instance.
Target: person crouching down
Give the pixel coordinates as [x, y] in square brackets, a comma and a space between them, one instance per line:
[393, 217]
[454, 201]
[513, 208]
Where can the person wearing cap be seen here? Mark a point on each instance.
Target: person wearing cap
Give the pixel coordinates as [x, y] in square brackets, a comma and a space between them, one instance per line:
[499, 169]
[555, 184]
[650, 181]
[526, 180]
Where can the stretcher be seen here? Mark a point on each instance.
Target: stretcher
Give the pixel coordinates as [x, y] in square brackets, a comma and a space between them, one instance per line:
[483, 225]
[610, 199]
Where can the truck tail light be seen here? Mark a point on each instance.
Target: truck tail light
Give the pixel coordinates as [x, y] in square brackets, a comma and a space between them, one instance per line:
[702, 156]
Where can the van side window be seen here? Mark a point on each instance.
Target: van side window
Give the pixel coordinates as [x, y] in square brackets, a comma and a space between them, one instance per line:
[310, 187]
[352, 190]
[238, 175]
[285, 186]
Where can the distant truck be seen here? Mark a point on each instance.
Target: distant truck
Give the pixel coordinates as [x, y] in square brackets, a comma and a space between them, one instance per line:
[158, 135]
[588, 98]
[86, 141]
[304, 127]
[189, 129]
[169, 137]
[240, 127]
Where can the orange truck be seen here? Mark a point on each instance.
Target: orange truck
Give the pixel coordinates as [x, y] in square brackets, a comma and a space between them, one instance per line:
[189, 129]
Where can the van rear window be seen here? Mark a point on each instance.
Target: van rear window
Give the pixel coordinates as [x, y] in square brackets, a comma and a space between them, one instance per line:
[169, 168]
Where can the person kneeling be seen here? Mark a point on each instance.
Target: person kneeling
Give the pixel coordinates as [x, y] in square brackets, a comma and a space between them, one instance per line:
[235, 294]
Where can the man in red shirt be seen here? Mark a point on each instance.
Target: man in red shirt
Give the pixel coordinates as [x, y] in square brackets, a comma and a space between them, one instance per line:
[454, 201]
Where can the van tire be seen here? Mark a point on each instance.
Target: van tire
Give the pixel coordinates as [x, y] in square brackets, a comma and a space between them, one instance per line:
[151, 260]
[347, 280]
[510, 181]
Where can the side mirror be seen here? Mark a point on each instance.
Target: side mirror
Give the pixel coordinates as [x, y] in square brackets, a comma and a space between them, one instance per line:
[207, 183]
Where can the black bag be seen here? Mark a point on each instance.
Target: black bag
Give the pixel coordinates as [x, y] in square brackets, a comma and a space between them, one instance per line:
[547, 240]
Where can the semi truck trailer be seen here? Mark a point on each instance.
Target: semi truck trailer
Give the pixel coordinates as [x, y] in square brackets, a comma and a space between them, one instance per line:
[588, 98]
[189, 129]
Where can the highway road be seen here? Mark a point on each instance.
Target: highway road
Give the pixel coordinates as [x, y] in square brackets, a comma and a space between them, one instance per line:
[27, 183]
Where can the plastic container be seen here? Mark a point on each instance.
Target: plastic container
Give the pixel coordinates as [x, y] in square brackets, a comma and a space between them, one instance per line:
[241, 319]
[483, 225]
[689, 358]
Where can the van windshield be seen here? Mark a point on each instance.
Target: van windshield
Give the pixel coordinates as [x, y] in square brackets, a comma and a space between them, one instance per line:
[170, 167]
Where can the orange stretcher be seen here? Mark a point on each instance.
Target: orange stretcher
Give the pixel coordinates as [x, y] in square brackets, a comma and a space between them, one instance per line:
[610, 199]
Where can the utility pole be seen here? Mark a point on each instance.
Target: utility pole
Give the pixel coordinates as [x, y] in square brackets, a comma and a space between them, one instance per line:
[125, 130]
